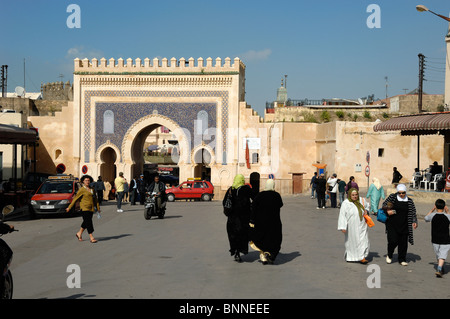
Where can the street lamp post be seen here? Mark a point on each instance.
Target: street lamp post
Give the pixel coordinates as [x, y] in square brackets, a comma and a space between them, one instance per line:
[422, 8]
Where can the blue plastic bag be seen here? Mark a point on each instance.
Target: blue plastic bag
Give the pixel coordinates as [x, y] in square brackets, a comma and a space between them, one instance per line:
[382, 216]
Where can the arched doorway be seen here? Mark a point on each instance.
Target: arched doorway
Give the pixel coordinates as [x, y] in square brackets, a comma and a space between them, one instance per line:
[202, 161]
[108, 168]
[136, 136]
[152, 154]
[255, 181]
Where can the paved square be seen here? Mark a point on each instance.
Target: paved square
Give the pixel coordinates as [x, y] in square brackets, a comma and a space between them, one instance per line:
[186, 255]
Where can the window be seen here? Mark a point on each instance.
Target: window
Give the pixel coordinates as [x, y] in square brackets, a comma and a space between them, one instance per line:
[108, 122]
[255, 158]
[57, 154]
[381, 152]
[198, 185]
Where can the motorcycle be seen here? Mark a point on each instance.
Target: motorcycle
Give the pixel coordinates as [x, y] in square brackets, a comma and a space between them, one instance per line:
[6, 280]
[150, 206]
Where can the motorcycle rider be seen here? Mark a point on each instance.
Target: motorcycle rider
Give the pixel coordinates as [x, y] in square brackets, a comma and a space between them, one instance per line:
[4, 229]
[160, 189]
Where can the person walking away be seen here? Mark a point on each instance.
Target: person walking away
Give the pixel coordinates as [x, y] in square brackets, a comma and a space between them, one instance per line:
[238, 219]
[125, 191]
[313, 185]
[351, 184]
[141, 187]
[440, 234]
[99, 189]
[119, 185]
[401, 222]
[396, 176]
[108, 188]
[265, 222]
[341, 188]
[321, 188]
[133, 190]
[352, 223]
[332, 189]
[375, 193]
[160, 189]
[88, 204]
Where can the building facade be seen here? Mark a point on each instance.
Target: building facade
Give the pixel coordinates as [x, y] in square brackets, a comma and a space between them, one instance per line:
[117, 104]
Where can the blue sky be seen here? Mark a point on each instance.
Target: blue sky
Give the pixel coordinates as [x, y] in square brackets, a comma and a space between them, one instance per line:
[325, 47]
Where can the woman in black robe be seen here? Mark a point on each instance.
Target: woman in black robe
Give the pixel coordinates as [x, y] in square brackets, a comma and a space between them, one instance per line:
[266, 234]
[239, 217]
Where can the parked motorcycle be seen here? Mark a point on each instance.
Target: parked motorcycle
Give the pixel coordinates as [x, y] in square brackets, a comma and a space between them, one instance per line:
[150, 206]
[6, 253]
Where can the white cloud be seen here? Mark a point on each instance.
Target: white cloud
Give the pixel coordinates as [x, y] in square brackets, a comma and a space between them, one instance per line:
[81, 53]
[253, 55]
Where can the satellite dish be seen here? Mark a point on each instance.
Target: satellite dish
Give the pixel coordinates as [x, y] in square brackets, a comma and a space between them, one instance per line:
[20, 91]
[360, 101]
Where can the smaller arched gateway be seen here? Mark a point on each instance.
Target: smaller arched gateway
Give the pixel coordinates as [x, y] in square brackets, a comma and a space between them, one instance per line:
[107, 157]
[203, 159]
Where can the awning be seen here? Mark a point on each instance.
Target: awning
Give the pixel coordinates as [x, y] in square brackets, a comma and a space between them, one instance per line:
[320, 166]
[15, 135]
[423, 123]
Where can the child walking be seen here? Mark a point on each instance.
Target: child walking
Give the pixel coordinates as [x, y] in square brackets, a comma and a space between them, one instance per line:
[440, 234]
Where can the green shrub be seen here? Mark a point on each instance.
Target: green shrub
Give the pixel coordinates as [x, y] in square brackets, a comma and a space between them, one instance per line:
[340, 114]
[325, 116]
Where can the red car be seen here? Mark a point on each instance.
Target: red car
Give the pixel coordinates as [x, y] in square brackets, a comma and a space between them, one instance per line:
[54, 195]
[191, 189]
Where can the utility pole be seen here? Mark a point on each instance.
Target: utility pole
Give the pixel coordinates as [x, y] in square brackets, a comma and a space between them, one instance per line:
[421, 79]
[4, 79]
[386, 80]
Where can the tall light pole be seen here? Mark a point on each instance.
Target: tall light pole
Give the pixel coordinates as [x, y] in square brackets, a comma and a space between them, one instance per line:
[422, 8]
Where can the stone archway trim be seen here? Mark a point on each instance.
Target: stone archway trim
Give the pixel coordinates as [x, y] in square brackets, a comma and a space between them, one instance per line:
[206, 147]
[102, 148]
[144, 122]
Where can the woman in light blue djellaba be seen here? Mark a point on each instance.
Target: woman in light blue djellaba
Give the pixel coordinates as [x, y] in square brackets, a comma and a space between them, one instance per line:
[375, 193]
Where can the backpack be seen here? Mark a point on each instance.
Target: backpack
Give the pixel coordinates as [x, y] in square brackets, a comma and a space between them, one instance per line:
[228, 203]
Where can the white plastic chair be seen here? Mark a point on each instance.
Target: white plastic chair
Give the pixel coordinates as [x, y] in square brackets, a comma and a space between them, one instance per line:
[425, 182]
[412, 183]
[435, 180]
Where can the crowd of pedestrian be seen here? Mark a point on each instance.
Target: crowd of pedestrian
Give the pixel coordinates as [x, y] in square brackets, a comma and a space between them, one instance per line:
[91, 195]
[331, 188]
[253, 217]
[401, 217]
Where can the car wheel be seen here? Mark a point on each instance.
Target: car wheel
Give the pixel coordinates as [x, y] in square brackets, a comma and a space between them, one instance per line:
[171, 197]
[206, 197]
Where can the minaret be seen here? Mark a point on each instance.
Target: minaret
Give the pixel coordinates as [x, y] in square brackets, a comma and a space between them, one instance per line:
[281, 95]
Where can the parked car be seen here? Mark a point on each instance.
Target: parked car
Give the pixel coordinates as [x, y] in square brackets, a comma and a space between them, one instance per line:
[191, 189]
[55, 194]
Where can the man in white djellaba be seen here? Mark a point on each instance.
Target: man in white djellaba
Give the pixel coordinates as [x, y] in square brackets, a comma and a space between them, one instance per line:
[353, 224]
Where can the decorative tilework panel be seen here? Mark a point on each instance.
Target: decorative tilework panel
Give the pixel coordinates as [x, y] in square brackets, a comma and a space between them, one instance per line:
[125, 114]
[144, 107]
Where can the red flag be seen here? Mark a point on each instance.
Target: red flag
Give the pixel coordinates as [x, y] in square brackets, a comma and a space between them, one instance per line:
[247, 155]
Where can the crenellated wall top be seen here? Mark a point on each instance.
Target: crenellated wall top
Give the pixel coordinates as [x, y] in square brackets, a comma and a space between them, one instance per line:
[156, 65]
